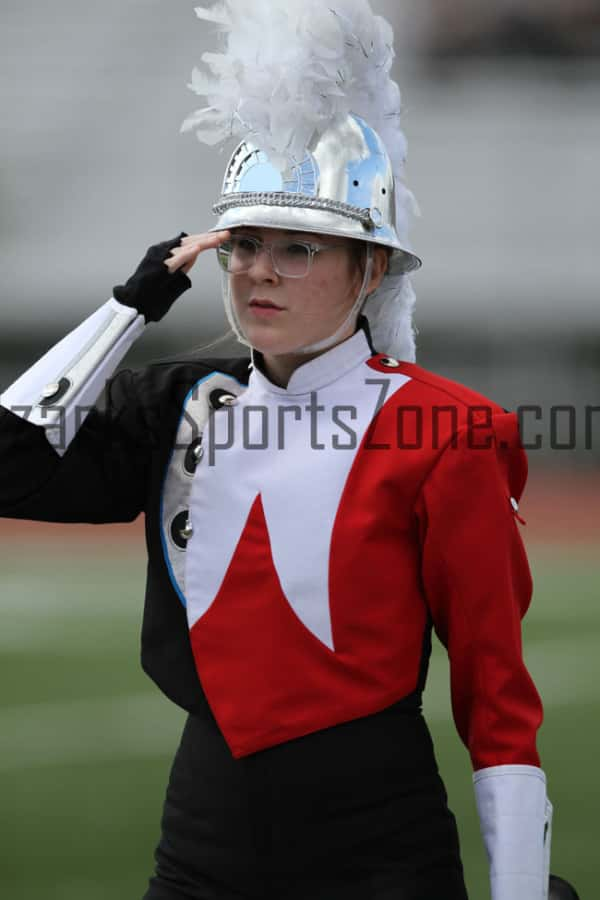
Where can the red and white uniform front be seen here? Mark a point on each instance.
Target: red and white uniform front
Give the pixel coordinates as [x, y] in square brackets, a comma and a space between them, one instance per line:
[333, 521]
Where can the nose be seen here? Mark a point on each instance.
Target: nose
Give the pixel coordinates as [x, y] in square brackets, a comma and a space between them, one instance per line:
[262, 268]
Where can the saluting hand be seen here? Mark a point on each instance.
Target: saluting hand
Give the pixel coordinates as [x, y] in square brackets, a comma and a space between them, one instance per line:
[184, 256]
[161, 277]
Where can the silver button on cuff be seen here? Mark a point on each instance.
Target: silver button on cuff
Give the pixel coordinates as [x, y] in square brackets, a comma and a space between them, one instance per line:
[389, 362]
[50, 391]
[54, 391]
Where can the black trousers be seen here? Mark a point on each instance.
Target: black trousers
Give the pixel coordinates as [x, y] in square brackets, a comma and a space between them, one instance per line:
[354, 812]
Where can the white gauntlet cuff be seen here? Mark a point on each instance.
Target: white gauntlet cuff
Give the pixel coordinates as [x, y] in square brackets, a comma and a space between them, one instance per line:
[516, 819]
[60, 389]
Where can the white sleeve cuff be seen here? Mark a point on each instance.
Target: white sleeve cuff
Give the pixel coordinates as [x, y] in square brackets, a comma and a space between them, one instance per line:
[74, 372]
[516, 819]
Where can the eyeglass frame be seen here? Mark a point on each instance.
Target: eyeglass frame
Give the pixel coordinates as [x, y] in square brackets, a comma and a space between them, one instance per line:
[313, 249]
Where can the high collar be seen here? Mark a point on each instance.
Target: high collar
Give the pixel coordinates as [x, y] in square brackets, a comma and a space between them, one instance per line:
[318, 372]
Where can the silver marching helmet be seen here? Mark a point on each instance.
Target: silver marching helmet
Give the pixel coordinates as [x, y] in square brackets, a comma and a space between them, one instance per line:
[344, 187]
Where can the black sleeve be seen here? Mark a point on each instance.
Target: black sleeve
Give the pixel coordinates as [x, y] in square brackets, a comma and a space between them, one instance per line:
[102, 477]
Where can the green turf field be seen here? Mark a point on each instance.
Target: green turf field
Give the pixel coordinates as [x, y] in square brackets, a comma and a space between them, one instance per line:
[86, 740]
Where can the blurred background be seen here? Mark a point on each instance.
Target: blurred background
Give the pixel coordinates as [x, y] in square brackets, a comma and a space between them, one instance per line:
[502, 105]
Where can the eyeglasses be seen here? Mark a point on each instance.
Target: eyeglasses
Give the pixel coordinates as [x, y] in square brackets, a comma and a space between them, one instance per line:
[290, 258]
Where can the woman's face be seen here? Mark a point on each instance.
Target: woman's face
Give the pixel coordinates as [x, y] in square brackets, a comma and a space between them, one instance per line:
[305, 310]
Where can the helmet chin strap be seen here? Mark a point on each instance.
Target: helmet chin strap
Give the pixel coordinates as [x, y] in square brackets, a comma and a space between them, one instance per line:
[323, 344]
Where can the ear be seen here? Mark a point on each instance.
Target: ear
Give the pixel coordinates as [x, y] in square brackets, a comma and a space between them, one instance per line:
[380, 267]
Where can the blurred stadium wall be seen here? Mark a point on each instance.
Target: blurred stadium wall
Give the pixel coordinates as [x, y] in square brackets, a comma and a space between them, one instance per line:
[501, 112]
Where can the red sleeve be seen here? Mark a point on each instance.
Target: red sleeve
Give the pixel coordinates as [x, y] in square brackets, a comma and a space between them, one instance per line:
[478, 588]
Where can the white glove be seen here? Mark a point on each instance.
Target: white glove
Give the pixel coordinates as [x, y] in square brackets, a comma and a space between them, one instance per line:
[516, 819]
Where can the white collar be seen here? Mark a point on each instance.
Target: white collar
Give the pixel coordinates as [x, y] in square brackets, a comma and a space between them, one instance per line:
[318, 372]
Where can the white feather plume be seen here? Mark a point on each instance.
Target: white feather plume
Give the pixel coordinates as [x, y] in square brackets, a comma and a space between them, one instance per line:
[288, 70]
[291, 68]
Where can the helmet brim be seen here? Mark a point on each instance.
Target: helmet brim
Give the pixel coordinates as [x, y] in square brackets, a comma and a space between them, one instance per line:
[316, 221]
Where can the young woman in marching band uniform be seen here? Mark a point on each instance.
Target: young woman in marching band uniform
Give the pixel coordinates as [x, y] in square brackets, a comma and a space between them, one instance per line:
[312, 512]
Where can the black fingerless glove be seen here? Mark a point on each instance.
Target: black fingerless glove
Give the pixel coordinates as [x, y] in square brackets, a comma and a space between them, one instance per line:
[152, 289]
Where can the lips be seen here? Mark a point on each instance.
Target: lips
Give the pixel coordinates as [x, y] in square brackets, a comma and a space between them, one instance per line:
[259, 303]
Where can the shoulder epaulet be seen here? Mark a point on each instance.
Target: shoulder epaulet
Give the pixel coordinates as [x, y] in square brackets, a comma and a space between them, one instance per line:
[443, 389]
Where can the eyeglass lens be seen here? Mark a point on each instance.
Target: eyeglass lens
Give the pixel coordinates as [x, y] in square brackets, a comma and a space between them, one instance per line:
[239, 254]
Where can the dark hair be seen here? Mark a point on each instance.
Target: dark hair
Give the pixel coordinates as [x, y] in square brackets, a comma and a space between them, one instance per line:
[358, 254]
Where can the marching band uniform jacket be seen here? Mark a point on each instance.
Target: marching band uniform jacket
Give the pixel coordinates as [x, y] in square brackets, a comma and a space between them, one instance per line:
[303, 541]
